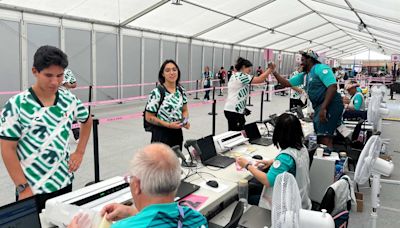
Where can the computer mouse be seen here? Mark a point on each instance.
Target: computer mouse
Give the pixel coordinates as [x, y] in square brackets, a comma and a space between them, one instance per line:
[212, 183]
[258, 157]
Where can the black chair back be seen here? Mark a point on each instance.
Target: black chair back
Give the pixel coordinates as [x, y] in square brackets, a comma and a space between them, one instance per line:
[236, 215]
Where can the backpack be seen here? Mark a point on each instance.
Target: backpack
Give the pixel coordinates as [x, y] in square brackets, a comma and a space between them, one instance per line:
[148, 126]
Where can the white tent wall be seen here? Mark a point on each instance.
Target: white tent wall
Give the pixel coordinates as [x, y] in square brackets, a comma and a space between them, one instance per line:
[183, 60]
[197, 56]
[10, 58]
[78, 49]
[94, 54]
[218, 57]
[227, 58]
[131, 64]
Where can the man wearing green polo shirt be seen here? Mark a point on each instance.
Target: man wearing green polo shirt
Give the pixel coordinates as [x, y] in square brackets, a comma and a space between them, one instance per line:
[154, 178]
[34, 131]
[320, 85]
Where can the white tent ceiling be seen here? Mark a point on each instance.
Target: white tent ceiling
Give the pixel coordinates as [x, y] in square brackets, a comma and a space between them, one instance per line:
[338, 27]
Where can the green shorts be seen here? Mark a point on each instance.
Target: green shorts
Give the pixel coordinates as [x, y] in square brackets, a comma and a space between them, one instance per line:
[334, 116]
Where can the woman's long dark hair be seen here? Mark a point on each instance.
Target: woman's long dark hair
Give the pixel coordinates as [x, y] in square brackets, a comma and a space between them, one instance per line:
[161, 78]
[288, 132]
[240, 62]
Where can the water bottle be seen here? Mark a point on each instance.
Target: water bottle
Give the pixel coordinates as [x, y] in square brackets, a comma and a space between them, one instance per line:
[243, 192]
[312, 141]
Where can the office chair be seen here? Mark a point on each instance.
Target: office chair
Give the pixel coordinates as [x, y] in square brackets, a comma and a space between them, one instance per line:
[235, 218]
[236, 215]
[352, 146]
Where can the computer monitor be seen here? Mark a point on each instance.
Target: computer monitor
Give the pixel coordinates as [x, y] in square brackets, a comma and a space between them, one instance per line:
[207, 147]
[252, 131]
[21, 214]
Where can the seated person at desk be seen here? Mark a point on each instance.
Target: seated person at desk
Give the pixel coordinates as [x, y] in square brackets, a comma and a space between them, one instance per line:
[355, 105]
[293, 158]
[356, 100]
[154, 178]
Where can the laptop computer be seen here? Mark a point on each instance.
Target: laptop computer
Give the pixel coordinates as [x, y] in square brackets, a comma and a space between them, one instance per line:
[185, 189]
[21, 214]
[300, 114]
[253, 133]
[256, 217]
[209, 155]
[272, 119]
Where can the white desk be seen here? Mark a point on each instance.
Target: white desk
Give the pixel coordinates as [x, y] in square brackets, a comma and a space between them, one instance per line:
[214, 198]
[229, 176]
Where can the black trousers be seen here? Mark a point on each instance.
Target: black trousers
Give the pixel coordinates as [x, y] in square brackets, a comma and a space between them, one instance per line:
[207, 93]
[171, 137]
[76, 131]
[236, 121]
[42, 198]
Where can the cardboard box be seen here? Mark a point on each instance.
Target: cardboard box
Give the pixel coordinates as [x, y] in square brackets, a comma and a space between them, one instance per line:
[360, 201]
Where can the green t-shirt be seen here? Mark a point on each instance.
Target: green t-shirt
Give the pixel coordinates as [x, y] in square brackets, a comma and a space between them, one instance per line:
[283, 163]
[42, 134]
[238, 91]
[357, 101]
[171, 107]
[317, 81]
[163, 216]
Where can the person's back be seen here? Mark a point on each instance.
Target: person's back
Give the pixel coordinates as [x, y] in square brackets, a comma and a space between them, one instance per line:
[163, 216]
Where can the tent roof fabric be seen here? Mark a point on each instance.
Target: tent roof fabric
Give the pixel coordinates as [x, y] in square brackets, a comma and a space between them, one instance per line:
[330, 26]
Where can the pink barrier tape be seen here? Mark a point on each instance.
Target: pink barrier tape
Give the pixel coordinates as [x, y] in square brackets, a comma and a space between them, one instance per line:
[200, 90]
[9, 92]
[380, 84]
[140, 114]
[277, 90]
[96, 103]
[81, 87]
[124, 117]
[197, 104]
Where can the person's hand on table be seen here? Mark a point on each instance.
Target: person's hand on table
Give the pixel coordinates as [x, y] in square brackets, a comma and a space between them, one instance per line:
[242, 162]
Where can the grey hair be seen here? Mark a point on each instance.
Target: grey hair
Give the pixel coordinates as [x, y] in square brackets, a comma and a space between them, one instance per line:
[158, 169]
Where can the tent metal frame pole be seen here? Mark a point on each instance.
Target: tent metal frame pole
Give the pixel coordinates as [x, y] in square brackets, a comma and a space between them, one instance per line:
[144, 12]
[294, 36]
[23, 43]
[232, 18]
[93, 62]
[275, 27]
[120, 58]
[358, 11]
[385, 37]
[324, 18]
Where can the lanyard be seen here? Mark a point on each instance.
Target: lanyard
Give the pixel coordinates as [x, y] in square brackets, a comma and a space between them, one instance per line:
[181, 216]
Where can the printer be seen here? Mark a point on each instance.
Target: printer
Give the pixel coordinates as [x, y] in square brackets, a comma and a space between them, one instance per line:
[60, 210]
[228, 140]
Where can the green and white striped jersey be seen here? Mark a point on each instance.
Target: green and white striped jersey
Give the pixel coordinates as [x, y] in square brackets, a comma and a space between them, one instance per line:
[171, 107]
[69, 77]
[238, 91]
[42, 134]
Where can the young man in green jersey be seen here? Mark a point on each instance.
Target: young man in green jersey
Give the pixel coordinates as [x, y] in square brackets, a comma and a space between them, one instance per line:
[34, 131]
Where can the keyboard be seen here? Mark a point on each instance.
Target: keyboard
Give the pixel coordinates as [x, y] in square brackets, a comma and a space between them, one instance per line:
[262, 141]
[219, 161]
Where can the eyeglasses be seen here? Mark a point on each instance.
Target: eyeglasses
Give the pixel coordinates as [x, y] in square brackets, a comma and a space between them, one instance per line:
[128, 178]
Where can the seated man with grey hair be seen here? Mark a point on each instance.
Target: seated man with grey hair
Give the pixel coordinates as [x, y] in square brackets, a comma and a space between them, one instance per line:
[155, 176]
